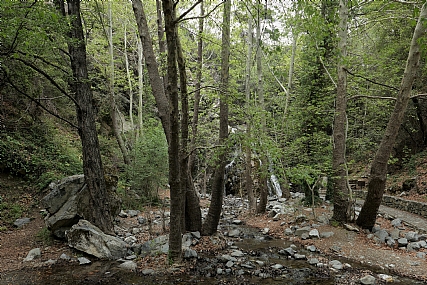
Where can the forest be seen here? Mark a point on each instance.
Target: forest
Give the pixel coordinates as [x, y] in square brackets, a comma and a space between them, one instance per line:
[212, 98]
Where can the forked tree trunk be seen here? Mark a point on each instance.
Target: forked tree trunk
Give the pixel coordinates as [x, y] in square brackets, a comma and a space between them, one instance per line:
[99, 212]
[192, 215]
[211, 223]
[339, 169]
[378, 174]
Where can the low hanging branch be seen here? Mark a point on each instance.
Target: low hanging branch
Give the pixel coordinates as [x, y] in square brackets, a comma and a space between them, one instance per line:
[370, 80]
[181, 18]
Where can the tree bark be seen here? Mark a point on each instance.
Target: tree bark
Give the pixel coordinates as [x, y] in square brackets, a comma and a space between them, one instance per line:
[176, 191]
[263, 177]
[99, 211]
[211, 223]
[193, 215]
[377, 181]
[197, 93]
[156, 81]
[248, 150]
[341, 196]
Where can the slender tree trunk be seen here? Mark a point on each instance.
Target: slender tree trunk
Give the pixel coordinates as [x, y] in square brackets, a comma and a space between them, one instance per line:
[156, 81]
[99, 212]
[342, 193]
[211, 223]
[248, 151]
[114, 111]
[176, 191]
[263, 177]
[198, 85]
[161, 40]
[193, 215]
[378, 174]
[140, 88]
[129, 77]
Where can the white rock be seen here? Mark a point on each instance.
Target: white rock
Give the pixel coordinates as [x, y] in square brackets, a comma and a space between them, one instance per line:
[32, 254]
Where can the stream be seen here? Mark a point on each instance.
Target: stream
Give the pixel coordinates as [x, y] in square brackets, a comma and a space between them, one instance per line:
[261, 263]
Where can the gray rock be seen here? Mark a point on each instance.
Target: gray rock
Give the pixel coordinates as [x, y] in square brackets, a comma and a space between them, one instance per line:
[64, 257]
[305, 236]
[288, 231]
[287, 251]
[411, 236]
[237, 253]
[423, 243]
[196, 234]
[128, 265]
[311, 248]
[236, 222]
[351, 228]
[229, 264]
[396, 223]
[147, 271]
[83, 260]
[265, 231]
[326, 234]
[421, 255]
[123, 214]
[49, 262]
[382, 235]
[299, 256]
[131, 257]
[314, 233]
[68, 201]
[133, 213]
[390, 241]
[367, 280]
[234, 233]
[300, 231]
[90, 239]
[277, 266]
[190, 253]
[141, 220]
[413, 246]
[395, 233]
[130, 240]
[227, 257]
[336, 264]
[313, 261]
[19, 223]
[33, 254]
[219, 271]
[402, 242]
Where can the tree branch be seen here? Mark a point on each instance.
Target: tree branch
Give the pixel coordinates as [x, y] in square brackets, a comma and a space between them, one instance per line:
[44, 61]
[39, 104]
[49, 78]
[188, 11]
[370, 80]
[181, 18]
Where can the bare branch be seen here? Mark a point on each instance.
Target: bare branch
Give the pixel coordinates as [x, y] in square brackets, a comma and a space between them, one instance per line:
[188, 11]
[372, 81]
[39, 104]
[180, 19]
[372, 97]
[50, 79]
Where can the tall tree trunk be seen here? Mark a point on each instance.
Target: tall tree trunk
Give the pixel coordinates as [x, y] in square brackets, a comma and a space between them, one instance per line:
[128, 75]
[114, 111]
[156, 81]
[342, 193]
[99, 212]
[193, 215]
[161, 40]
[141, 88]
[176, 191]
[198, 85]
[211, 223]
[248, 150]
[378, 174]
[263, 177]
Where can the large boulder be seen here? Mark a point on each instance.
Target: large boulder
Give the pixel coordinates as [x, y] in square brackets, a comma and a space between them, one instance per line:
[90, 239]
[68, 202]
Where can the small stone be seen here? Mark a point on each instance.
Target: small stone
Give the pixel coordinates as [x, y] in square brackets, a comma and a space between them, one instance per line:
[299, 256]
[19, 223]
[190, 253]
[288, 231]
[367, 280]
[336, 264]
[351, 228]
[33, 254]
[421, 255]
[413, 246]
[147, 271]
[123, 214]
[83, 260]
[411, 236]
[234, 233]
[64, 257]
[141, 220]
[237, 253]
[396, 223]
[382, 235]
[326, 234]
[402, 242]
[287, 251]
[265, 231]
[128, 265]
[236, 222]
[311, 248]
[313, 261]
[196, 234]
[314, 233]
[300, 231]
[277, 266]
[229, 264]
[133, 213]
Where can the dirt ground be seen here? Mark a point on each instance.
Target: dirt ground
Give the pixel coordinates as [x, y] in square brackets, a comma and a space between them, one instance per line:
[15, 244]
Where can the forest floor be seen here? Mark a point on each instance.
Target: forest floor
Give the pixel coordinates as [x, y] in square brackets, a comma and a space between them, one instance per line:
[16, 243]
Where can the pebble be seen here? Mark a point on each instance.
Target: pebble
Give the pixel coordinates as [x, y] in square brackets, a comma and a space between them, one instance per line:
[367, 280]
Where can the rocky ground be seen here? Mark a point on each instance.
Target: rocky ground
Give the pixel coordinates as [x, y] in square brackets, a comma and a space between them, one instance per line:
[247, 246]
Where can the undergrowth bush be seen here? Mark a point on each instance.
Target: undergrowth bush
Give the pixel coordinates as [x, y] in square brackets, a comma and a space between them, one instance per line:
[40, 154]
[149, 168]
